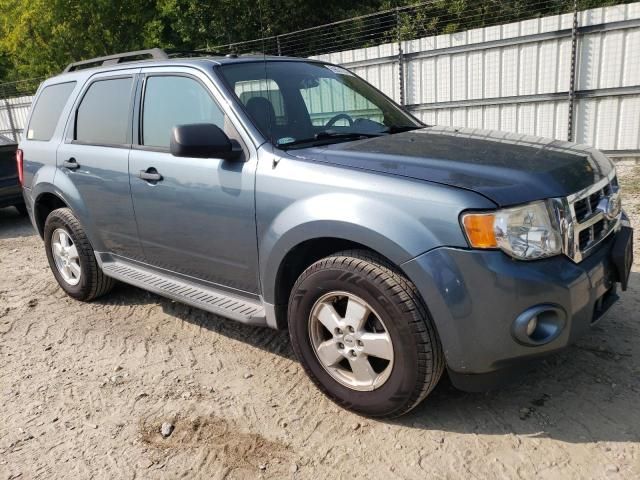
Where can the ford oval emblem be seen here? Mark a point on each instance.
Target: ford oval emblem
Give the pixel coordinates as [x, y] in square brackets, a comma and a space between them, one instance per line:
[611, 206]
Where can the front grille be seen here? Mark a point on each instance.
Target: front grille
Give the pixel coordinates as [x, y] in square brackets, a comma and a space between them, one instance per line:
[585, 238]
[582, 208]
[590, 225]
[593, 234]
[599, 228]
[586, 206]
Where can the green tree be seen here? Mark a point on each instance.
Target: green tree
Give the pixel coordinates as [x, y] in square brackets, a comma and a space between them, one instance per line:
[40, 36]
[188, 24]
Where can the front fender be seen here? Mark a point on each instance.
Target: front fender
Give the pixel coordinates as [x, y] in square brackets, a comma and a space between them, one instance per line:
[299, 200]
[384, 228]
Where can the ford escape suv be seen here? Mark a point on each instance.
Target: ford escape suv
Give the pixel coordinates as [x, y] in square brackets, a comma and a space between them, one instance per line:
[292, 194]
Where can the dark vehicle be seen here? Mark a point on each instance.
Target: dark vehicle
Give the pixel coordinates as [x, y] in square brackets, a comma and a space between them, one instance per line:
[10, 191]
[291, 193]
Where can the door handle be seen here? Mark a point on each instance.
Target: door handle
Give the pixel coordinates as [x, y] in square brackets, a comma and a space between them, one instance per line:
[150, 175]
[71, 164]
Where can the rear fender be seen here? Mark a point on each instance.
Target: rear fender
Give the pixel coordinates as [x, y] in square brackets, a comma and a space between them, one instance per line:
[66, 191]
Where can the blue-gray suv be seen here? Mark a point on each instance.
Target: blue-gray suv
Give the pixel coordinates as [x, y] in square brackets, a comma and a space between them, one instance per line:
[291, 193]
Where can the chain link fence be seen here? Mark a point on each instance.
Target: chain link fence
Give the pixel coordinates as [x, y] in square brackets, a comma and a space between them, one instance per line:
[424, 19]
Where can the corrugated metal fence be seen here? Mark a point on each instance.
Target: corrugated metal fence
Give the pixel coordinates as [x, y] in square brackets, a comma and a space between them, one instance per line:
[575, 75]
[13, 117]
[517, 77]
[15, 101]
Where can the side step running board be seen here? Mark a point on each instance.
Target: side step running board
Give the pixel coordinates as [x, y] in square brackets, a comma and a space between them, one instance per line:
[209, 299]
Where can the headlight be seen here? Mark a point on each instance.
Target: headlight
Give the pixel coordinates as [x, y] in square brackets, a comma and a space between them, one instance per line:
[526, 232]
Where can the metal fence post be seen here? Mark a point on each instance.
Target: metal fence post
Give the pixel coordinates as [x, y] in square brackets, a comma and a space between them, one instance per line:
[400, 57]
[12, 125]
[278, 44]
[573, 72]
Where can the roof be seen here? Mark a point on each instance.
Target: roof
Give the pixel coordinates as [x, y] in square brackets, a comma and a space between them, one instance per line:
[157, 54]
[115, 62]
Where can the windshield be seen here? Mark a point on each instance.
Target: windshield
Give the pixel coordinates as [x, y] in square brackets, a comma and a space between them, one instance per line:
[297, 103]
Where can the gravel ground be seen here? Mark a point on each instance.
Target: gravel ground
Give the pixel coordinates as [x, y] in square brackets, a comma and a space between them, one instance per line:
[86, 388]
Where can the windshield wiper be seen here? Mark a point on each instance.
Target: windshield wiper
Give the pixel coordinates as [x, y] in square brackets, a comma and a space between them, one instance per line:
[331, 134]
[325, 135]
[401, 128]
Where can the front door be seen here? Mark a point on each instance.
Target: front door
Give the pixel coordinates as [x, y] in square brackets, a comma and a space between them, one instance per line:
[198, 217]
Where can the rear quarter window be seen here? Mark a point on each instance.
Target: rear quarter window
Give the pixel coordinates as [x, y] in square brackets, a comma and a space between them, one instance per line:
[47, 110]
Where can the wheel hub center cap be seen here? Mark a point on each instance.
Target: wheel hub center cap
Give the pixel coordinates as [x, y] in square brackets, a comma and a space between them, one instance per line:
[349, 340]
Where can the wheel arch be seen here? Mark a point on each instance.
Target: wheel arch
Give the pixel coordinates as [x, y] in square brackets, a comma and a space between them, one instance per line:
[296, 261]
[61, 194]
[45, 203]
[304, 253]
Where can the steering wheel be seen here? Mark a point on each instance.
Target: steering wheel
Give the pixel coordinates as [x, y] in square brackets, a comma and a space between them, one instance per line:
[340, 116]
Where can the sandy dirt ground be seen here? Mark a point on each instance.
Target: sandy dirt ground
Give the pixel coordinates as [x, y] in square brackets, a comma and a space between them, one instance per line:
[85, 388]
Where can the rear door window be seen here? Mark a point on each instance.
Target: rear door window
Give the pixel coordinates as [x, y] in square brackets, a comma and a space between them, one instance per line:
[103, 115]
[47, 110]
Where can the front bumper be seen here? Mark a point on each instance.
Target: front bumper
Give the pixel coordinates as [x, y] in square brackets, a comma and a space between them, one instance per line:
[475, 296]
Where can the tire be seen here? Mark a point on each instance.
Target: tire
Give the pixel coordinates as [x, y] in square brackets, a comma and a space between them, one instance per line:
[91, 282]
[397, 314]
[22, 209]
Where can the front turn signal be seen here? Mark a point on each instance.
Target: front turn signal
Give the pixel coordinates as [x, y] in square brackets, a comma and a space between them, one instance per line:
[480, 231]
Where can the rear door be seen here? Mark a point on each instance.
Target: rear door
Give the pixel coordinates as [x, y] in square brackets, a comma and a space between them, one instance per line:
[95, 159]
[199, 219]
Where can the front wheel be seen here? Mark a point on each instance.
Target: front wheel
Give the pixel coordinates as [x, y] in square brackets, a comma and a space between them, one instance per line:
[363, 334]
[71, 257]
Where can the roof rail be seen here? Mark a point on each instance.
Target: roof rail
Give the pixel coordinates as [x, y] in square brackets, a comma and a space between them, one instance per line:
[194, 53]
[153, 53]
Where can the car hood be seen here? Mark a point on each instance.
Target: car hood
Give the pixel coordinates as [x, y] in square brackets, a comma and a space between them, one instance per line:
[505, 167]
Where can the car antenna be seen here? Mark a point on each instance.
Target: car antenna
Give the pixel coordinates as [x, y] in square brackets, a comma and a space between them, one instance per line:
[264, 60]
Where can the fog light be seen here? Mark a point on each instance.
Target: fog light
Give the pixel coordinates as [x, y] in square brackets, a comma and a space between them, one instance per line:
[539, 325]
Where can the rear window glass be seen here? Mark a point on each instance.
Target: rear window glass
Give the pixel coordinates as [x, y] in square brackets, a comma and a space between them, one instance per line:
[47, 110]
[103, 114]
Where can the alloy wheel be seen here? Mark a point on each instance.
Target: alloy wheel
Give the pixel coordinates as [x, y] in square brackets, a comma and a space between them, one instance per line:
[65, 256]
[351, 341]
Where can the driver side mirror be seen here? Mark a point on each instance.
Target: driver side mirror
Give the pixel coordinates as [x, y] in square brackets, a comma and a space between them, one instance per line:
[203, 140]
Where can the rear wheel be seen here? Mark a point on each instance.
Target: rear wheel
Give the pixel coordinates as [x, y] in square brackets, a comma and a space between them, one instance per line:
[363, 334]
[71, 257]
